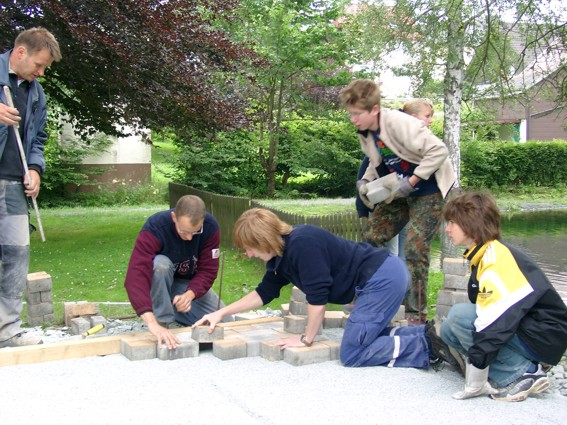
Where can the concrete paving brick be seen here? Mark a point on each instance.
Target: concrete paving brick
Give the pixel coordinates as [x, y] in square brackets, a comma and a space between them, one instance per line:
[298, 308]
[456, 266]
[451, 297]
[228, 349]
[333, 319]
[401, 313]
[254, 338]
[283, 334]
[79, 325]
[299, 356]
[201, 334]
[230, 333]
[40, 320]
[270, 351]
[334, 347]
[98, 320]
[455, 282]
[33, 298]
[143, 349]
[76, 309]
[188, 348]
[40, 309]
[285, 309]
[38, 282]
[442, 310]
[298, 295]
[242, 329]
[271, 325]
[46, 296]
[295, 324]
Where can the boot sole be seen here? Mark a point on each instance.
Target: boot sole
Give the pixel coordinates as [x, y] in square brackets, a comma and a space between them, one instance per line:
[539, 386]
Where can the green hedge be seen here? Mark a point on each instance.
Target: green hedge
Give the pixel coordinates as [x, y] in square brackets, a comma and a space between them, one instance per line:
[512, 164]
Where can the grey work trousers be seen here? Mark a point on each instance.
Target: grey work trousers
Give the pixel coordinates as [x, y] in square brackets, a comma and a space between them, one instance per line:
[14, 255]
[165, 287]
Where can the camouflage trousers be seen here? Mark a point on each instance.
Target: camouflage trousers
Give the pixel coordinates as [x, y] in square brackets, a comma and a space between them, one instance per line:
[14, 255]
[422, 214]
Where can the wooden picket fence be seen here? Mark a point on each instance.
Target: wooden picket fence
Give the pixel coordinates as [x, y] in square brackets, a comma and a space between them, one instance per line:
[227, 209]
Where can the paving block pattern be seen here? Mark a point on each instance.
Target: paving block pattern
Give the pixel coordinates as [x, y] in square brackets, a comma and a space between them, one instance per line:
[142, 349]
[299, 356]
[298, 308]
[334, 347]
[270, 351]
[228, 349]
[295, 324]
[39, 299]
[333, 319]
[201, 334]
[188, 348]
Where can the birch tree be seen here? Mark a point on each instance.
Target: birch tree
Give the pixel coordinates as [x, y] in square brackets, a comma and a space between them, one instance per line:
[464, 43]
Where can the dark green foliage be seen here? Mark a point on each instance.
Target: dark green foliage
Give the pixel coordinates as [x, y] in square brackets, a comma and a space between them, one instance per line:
[316, 157]
[140, 62]
[510, 164]
[225, 162]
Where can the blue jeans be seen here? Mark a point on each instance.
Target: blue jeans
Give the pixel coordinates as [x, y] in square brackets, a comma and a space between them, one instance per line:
[165, 287]
[367, 341]
[513, 359]
[14, 255]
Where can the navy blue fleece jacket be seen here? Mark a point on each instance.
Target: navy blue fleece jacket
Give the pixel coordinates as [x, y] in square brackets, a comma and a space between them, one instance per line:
[325, 267]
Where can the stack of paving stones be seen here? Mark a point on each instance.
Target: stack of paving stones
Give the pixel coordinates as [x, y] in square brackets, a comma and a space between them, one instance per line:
[39, 299]
[454, 291]
[81, 316]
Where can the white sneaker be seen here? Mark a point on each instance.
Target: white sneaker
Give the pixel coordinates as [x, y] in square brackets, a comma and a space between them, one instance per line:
[529, 383]
[21, 340]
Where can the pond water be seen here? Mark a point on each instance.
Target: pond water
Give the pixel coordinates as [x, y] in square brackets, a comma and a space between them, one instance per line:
[540, 234]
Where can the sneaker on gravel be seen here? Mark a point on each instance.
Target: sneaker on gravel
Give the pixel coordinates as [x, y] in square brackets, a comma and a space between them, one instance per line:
[529, 383]
[438, 350]
[21, 339]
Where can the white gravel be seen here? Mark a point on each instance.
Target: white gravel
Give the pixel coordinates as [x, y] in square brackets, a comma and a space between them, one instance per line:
[206, 390]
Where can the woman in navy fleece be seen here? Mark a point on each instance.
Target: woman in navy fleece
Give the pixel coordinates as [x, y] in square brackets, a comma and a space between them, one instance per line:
[330, 269]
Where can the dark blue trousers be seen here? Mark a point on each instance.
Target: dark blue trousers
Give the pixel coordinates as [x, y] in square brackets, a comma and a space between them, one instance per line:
[367, 339]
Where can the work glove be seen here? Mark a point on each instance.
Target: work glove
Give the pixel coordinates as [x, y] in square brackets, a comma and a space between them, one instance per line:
[362, 192]
[476, 383]
[403, 190]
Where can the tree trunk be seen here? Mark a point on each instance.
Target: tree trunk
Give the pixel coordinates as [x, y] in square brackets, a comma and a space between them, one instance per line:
[452, 105]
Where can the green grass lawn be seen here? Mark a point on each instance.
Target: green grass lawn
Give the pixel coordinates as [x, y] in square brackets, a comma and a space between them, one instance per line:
[87, 252]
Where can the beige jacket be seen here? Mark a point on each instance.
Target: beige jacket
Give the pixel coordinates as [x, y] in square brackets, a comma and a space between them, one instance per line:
[412, 141]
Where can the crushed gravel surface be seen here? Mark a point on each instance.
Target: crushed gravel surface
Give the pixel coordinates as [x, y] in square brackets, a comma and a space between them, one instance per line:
[249, 391]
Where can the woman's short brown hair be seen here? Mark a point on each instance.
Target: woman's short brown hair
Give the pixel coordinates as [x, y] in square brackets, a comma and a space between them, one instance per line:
[477, 214]
[261, 229]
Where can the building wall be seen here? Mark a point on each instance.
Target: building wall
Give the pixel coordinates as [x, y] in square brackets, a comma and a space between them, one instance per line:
[126, 162]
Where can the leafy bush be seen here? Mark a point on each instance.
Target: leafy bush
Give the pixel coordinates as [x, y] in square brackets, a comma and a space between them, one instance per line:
[316, 157]
[510, 164]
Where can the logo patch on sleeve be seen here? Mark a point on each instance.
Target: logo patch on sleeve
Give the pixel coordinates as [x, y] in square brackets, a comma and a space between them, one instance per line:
[216, 253]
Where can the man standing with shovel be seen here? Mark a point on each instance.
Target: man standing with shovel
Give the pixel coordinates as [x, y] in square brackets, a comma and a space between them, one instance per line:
[34, 50]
